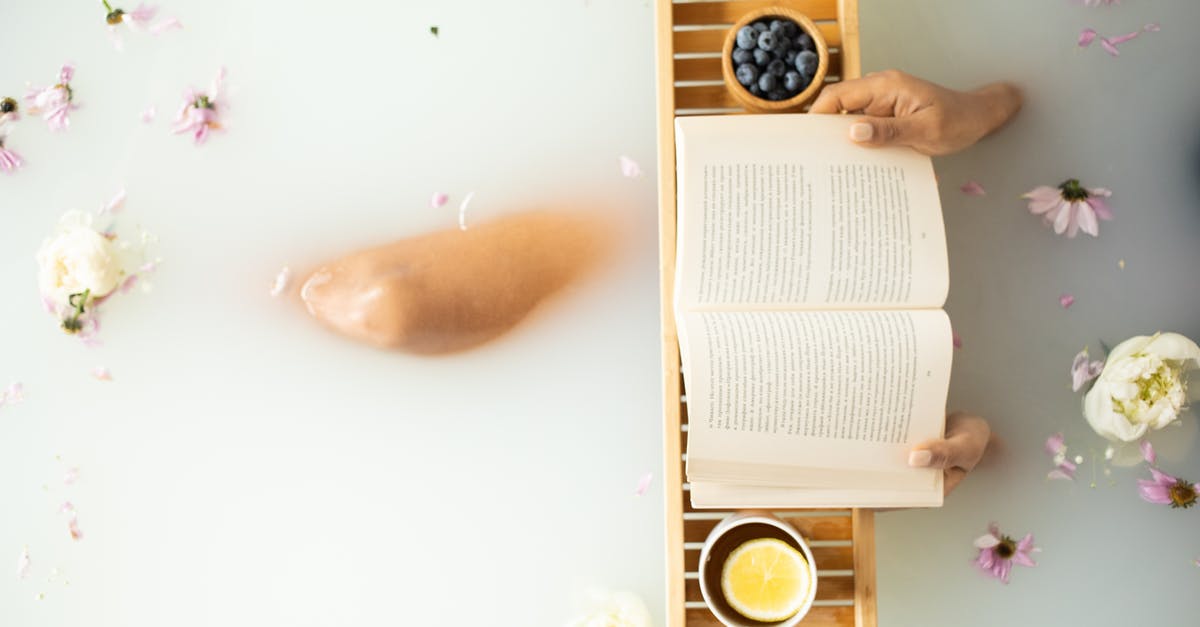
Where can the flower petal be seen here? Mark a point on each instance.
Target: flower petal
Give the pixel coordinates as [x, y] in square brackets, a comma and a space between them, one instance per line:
[1055, 444]
[462, 211]
[1066, 300]
[986, 541]
[23, 563]
[101, 373]
[956, 340]
[148, 114]
[1100, 206]
[1153, 493]
[439, 199]
[282, 280]
[1109, 47]
[629, 167]
[973, 188]
[1086, 36]
[1148, 453]
[1120, 39]
[644, 484]
[1087, 219]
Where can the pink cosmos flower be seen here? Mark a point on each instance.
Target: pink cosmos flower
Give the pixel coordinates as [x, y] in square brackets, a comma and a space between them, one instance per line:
[56, 102]
[1070, 207]
[137, 20]
[1083, 370]
[1064, 468]
[1163, 489]
[998, 552]
[201, 111]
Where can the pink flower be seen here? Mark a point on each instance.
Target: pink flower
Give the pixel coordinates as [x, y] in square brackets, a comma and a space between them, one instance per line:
[1086, 37]
[56, 102]
[9, 113]
[137, 20]
[1083, 370]
[438, 199]
[9, 161]
[1164, 489]
[1070, 207]
[200, 112]
[1066, 300]
[997, 553]
[973, 188]
[1064, 468]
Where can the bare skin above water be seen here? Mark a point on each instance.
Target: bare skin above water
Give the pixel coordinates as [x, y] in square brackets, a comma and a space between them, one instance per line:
[452, 290]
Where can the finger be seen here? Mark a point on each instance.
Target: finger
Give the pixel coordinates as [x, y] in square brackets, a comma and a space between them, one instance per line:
[954, 476]
[852, 95]
[883, 132]
[958, 451]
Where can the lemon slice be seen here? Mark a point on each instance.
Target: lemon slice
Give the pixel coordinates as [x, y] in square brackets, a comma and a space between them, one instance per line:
[766, 580]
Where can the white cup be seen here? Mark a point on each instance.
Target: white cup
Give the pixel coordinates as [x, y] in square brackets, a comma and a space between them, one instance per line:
[732, 533]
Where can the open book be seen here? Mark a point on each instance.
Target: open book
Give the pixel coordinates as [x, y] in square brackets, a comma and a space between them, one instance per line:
[810, 276]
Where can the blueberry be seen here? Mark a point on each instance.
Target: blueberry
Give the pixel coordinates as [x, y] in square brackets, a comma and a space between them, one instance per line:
[761, 57]
[776, 26]
[747, 38]
[746, 74]
[789, 57]
[782, 43]
[756, 91]
[766, 82]
[777, 94]
[791, 81]
[766, 41]
[777, 68]
[805, 41]
[806, 63]
[790, 28]
[760, 27]
[741, 55]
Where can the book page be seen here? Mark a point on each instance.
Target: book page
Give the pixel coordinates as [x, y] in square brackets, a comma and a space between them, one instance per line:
[706, 495]
[814, 398]
[784, 212]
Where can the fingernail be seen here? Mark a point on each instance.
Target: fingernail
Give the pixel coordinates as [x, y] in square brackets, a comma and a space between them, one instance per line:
[861, 131]
[919, 459]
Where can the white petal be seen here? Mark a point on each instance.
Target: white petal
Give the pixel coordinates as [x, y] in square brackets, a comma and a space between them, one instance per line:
[986, 541]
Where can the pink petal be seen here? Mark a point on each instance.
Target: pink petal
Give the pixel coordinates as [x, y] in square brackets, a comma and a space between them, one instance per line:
[115, 204]
[142, 13]
[128, 283]
[973, 188]
[1148, 453]
[218, 83]
[67, 508]
[282, 280]
[1055, 444]
[1087, 219]
[439, 199]
[1109, 47]
[1023, 559]
[1161, 478]
[1063, 219]
[958, 343]
[1003, 569]
[462, 211]
[644, 484]
[23, 563]
[73, 528]
[72, 476]
[15, 393]
[1152, 27]
[1066, 300]
[1100, 206]
[148, 114]
[986, 559]
[100, 373]
[1086, 36]
[1060, 474]
[165, 25]
[1120, 39]
[66, 73]
[1026, 544]
[629, 167]
[1153, 492]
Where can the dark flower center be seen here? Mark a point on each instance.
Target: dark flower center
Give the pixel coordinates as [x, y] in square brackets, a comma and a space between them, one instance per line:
[1183, 494]
[202, 102]
[1073, 191]
[115, 16]
[1007, 548]
[8, 105]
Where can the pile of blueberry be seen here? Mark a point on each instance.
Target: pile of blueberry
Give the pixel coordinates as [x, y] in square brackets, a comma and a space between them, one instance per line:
[774, 58]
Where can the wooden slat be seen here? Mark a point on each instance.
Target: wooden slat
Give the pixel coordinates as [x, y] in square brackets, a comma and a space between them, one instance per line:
[827, 558]
[823, 616]
[704, 97]
[709, 68]
[672, 381]
[711, 39]
[820, 528]
[863, 523]
[828, 589]
[852, 54]
[730, 12]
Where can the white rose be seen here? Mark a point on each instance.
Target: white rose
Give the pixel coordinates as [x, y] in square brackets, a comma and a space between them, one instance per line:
[76, 260]
[1141, 387]
[614, 609]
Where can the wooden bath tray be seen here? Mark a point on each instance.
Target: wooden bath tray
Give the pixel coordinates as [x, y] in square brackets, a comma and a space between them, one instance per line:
[689, 38]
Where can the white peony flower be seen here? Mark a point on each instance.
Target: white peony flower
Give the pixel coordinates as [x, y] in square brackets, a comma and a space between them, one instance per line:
[77, 260]
[614, 609]
[1142, 386]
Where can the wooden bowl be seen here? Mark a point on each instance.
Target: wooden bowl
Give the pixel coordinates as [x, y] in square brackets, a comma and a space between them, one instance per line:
[762, 105]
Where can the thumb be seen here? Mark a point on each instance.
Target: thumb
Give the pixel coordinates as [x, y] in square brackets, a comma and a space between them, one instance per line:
[881, 132]
[938, 454]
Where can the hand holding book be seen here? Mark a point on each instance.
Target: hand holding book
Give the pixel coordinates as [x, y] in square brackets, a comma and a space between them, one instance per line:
[967, 438]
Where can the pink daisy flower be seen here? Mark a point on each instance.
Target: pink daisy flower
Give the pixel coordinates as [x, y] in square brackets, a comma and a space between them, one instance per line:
[998, 552]
[54, 103]
[201, 111]
[1070, 207]
[9, 112]
[137, 20]
[1163, 489]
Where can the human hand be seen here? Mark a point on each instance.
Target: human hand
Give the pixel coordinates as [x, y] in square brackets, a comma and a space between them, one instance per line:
[966, 441]
[908, 111]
